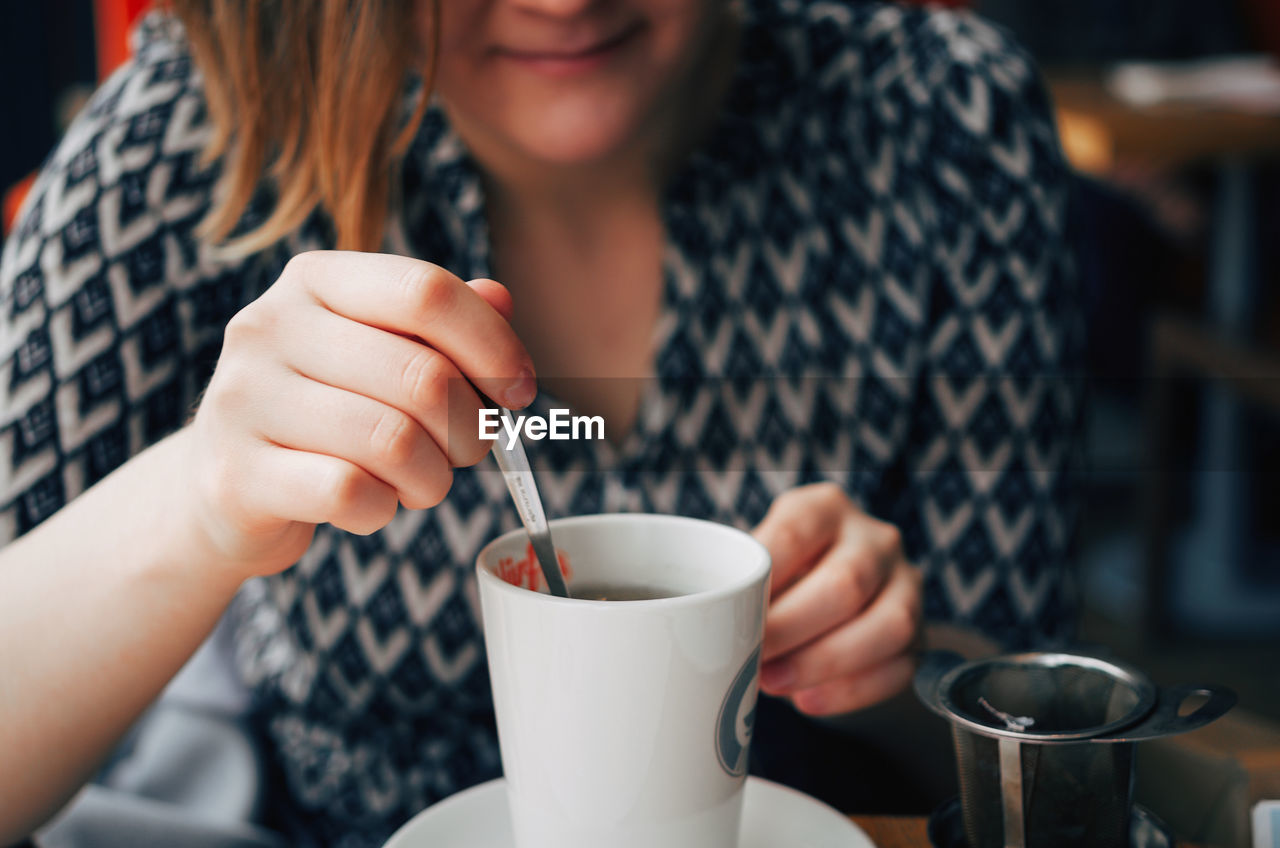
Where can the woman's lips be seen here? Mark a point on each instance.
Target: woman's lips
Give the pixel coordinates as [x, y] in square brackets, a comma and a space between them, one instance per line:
[565, 63]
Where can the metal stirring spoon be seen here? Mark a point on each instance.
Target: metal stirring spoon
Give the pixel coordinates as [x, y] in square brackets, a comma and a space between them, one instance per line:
[519, 476]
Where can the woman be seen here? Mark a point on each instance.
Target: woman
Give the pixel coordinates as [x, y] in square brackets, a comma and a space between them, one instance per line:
[772, 246]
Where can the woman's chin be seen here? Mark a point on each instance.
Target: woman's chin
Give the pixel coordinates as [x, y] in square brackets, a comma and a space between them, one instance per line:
[568, 145]
[581, 130]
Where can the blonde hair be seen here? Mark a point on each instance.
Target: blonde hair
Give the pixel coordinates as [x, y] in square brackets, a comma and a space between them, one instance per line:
[309, 96]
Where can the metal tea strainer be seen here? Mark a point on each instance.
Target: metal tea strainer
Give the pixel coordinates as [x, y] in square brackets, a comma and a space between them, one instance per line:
[1043, 742]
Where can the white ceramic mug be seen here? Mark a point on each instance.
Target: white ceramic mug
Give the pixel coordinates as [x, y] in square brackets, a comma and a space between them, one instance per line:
[626, 724]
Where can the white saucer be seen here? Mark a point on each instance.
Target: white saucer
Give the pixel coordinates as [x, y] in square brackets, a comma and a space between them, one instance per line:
[773, 816]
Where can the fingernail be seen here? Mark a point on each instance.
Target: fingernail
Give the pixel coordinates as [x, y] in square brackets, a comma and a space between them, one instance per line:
[521, 392]
[777, 675]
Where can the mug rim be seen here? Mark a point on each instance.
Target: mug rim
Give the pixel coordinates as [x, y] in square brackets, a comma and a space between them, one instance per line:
[759, 569]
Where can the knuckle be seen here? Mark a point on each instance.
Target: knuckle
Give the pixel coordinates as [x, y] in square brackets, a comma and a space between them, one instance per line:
[438, 486]
[828, 493]
[383, 511]
[464, 447]
[230, 391]
[410, 500]
[343, 487]
[426, 290]
[892, 538]
[255, 321]
[829, 490]
[239, 327]
[392, 438]
[858, 581]
[372, 518]
[427, 491]
[471, 452]
[786, 500]
[301, 266]
[819, 667]
[788, 537]
[902, 625]
[426, 381]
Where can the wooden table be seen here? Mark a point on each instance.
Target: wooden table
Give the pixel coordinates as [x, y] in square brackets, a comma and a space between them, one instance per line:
[1099, 132]
[894, 831]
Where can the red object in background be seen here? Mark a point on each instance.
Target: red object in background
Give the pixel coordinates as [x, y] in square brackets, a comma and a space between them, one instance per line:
[112, 20]
[13, 198]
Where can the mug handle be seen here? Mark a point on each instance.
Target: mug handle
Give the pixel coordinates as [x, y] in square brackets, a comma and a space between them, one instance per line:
[1164, 719]
[933, 666]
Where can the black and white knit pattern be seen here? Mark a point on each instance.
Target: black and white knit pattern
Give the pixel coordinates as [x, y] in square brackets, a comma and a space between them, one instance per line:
[865, 282]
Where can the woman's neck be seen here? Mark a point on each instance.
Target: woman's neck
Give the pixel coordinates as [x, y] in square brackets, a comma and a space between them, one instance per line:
[577, 198]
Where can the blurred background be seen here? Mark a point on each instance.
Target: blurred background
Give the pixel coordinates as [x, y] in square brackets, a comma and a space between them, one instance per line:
[1169, 111]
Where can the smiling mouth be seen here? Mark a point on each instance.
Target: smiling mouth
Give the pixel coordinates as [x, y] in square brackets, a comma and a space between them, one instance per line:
[569, 61]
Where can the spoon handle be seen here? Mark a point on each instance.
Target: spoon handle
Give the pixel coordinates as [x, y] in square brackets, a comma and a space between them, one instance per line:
[524, 491]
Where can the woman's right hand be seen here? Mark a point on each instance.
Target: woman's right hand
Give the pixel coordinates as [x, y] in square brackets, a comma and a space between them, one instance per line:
[339, 394]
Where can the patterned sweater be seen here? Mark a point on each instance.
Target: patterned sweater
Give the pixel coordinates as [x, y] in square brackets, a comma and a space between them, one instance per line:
[865, 282]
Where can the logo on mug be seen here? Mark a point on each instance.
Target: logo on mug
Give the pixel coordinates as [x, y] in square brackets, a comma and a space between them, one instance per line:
[738, 718]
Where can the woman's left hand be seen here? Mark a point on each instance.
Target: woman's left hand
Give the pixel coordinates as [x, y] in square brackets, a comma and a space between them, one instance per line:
[845, 605]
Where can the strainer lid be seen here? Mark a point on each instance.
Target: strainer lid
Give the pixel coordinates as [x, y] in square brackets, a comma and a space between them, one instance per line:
[1045, 697]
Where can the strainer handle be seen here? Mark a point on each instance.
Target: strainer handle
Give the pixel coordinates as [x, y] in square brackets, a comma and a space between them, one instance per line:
[1163, 720]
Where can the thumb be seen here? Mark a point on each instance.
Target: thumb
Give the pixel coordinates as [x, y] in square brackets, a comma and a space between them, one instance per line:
[495, 294]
